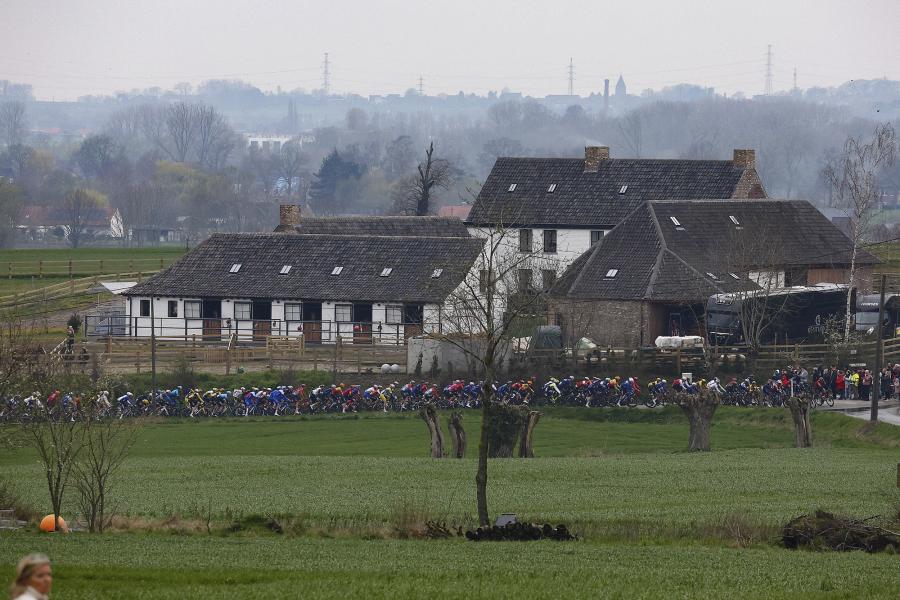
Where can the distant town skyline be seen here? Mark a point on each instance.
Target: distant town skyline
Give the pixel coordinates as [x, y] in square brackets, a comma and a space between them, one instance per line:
[87, 47]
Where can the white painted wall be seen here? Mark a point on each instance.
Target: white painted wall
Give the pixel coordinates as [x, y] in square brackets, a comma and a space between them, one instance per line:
[570, 244]
[390, 333]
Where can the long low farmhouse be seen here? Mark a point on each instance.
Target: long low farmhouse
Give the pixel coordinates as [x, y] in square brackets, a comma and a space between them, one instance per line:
[373, 280]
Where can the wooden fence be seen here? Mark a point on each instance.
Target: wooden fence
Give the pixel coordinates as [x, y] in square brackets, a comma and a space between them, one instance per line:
[135, 354]
[84, 267]
[62, 290]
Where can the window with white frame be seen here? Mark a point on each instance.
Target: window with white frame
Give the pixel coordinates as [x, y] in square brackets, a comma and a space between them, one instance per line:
[173, 309]
[393, 313]
[145, 308]
[242, 310]
[235, 268]
[192, 309]
[293, 312]
[343, 313]
[285, 269]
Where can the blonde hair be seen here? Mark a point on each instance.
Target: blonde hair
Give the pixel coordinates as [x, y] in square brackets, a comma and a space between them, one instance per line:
[24, 570]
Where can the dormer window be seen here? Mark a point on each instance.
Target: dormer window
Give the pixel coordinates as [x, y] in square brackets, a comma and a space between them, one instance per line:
[611, 273]
[386, 271]
[285, 270]
[436, 273]
[512, 187]
[734, 219]
[712, 276]
[235, 268]
[552, 188]
[734, 275]
[337, 270]
[675, 222]
[623, 189]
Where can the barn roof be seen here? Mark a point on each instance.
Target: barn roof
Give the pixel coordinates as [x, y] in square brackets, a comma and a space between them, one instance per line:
[414, 262]
[598, 198]
[679, 250]
[390, 226]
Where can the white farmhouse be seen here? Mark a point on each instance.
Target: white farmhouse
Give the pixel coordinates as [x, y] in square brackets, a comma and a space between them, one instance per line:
[558, 208]
[366, 279]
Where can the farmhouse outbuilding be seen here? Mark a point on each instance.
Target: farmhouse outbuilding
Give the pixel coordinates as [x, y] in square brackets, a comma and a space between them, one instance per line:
[654, 272]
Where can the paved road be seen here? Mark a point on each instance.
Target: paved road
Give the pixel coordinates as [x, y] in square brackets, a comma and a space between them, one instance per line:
[886, 414]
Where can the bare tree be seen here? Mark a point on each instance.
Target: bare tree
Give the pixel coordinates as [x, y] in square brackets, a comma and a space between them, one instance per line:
[853, 180]
[57, 440]
[80, 207]
[757, 263]
[479, 316]
[12, 122]
[415, 192]
[105, 444]
[289, 165]
[182, 126]
[215, 138]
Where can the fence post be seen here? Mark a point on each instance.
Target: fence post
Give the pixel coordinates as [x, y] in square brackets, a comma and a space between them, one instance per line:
[101, 266]
[70, 268]
[315, 354]
[10, 270]
[137, 364]
[40, 269]
[108, 345]
[358, 363]
[228, 360]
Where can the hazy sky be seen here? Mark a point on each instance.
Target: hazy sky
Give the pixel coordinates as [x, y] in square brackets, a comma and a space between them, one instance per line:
[68, 48]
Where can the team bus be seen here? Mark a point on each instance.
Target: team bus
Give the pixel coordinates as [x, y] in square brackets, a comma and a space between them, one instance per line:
[867, 314]
[796, 314]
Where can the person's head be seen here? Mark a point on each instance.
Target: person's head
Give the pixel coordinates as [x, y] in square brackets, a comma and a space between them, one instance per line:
[32, 571]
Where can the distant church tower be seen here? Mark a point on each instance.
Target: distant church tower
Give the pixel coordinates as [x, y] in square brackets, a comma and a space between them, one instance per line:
[620, 87]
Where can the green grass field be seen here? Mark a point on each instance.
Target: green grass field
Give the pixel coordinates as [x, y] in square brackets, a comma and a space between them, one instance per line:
[47, 264]
[653, 517]
[170, 567]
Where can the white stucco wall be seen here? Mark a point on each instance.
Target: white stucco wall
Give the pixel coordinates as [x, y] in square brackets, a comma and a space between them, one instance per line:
[178, 327]
[570, 244]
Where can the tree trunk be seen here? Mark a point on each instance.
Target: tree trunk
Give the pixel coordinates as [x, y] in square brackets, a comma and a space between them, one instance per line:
[457, 435]
[481, 474]
[799, 406]
[505, 427]
[525, 440]
[430, 415]
[699, 410]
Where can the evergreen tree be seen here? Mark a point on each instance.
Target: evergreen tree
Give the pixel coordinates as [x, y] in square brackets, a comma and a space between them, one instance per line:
[334, 170]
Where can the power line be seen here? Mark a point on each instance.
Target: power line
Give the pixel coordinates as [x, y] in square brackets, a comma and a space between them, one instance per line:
[768, 90]
[326, 76]
[571, 78]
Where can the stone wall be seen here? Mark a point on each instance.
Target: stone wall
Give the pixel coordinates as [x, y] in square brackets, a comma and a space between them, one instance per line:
[616, 323]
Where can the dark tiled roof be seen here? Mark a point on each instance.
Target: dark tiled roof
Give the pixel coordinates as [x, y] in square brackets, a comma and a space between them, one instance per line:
[658, 261]
[204, 271]
[392, 226]
[592, 199]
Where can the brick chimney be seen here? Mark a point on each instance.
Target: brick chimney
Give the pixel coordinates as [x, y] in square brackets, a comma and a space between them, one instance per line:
[593, 155]
[288, 218]
[744, 158]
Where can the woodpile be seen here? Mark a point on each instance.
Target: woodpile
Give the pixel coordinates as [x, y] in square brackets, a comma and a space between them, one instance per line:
[825, 531]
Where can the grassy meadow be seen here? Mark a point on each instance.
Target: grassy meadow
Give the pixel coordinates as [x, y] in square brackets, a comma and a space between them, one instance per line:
[655, 521]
